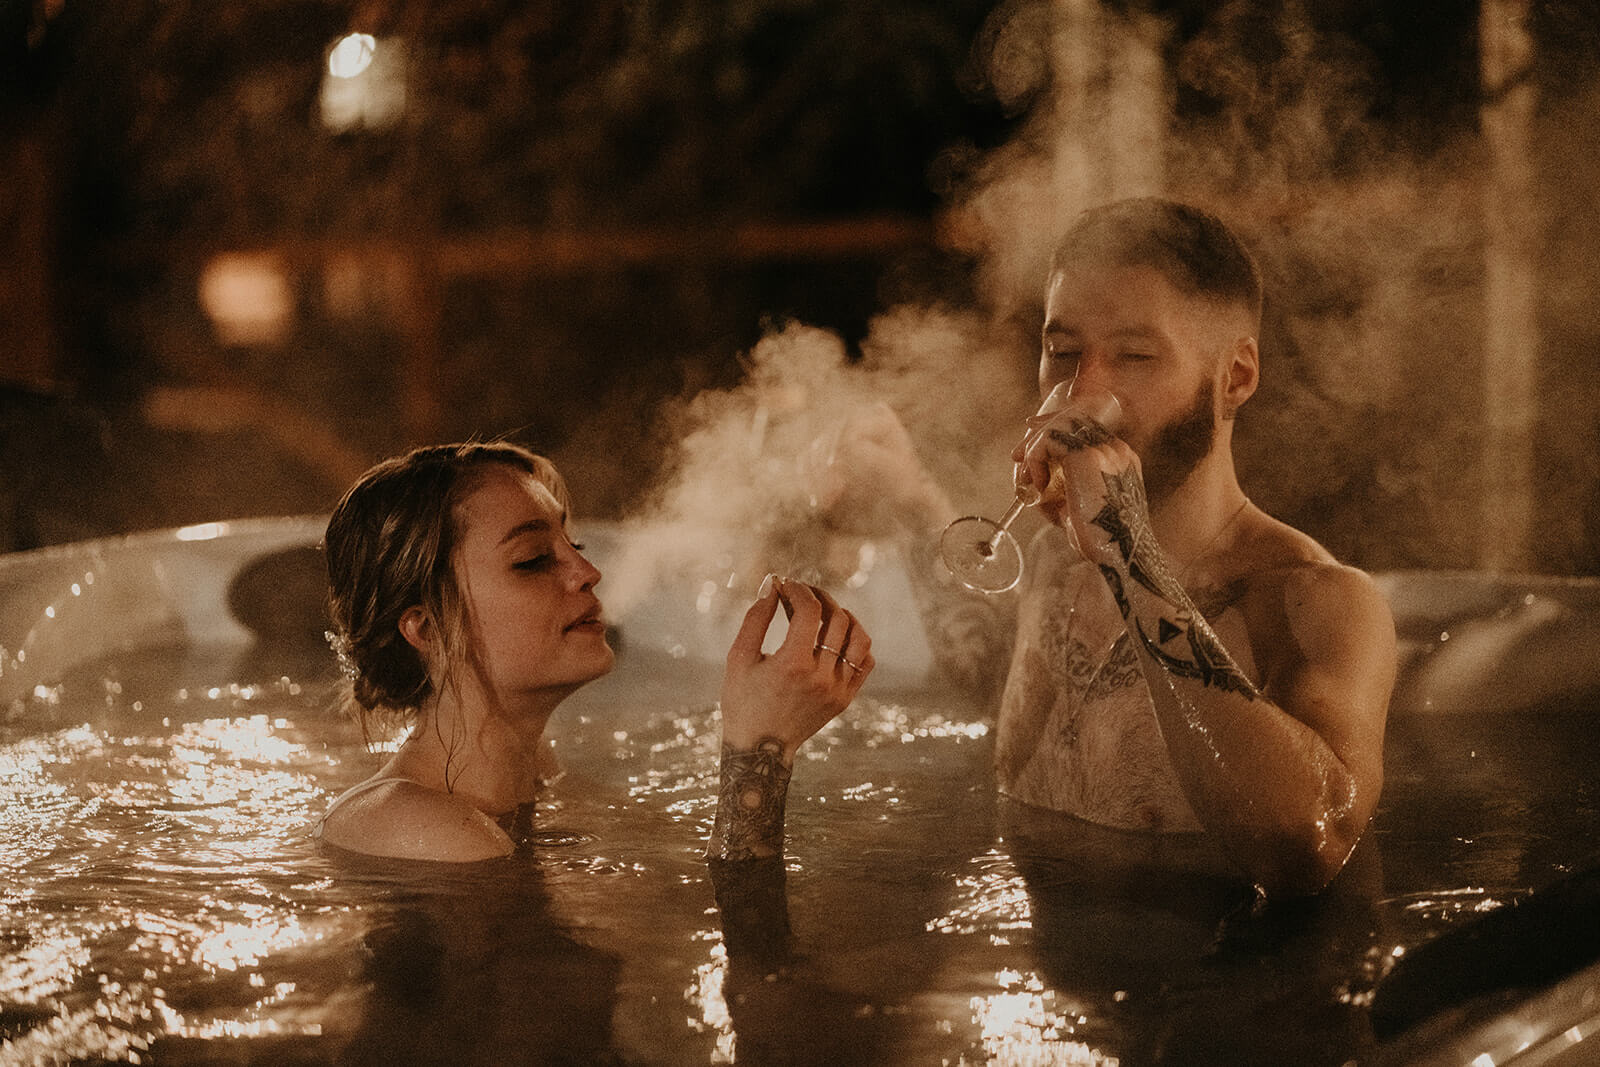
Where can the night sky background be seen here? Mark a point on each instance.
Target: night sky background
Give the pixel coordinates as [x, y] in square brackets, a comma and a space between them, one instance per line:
[589, 213]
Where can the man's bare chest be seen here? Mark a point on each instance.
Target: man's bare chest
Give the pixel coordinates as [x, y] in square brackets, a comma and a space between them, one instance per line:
[1076, 664]
[1077, 730]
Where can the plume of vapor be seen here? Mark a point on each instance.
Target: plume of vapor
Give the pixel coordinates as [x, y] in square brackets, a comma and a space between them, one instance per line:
[1364, 429]
[737, 498]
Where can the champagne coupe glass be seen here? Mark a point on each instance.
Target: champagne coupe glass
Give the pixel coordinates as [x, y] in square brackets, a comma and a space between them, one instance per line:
[982, 554]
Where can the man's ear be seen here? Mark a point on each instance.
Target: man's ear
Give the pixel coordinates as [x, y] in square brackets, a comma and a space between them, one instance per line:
[1241, 375]
[417, 628]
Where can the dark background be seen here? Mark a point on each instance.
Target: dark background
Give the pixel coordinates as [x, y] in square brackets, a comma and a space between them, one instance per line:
[591, 209]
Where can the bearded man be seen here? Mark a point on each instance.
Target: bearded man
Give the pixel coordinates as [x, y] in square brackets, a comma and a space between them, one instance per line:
[1179, 660]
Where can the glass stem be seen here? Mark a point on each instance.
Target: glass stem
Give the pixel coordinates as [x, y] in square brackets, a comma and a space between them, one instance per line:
[1007, 519]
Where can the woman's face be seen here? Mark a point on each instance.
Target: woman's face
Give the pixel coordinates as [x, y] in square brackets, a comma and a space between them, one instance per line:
[533, 622]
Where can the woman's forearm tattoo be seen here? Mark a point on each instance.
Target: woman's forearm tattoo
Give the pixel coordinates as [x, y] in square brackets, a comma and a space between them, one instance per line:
[749, 822]
[1199, 654]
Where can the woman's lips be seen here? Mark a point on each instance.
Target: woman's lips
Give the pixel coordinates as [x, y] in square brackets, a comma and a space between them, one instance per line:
[590, 622]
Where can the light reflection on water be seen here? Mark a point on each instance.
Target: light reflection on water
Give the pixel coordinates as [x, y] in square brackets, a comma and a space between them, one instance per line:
[990, 899]
[145, 867]
[707, 1004]
[1028, 1024]
[161, 893]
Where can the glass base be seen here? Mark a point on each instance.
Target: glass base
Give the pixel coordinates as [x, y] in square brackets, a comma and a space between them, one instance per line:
[981, 554]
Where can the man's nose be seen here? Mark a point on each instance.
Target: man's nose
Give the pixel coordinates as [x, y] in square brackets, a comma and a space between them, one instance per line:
[1093, 368]
[1090, 368]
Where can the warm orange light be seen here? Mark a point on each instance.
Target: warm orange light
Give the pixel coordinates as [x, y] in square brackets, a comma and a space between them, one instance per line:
[247, 298]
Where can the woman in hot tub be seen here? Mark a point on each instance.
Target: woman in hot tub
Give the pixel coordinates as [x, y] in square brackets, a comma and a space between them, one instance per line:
[460, 602]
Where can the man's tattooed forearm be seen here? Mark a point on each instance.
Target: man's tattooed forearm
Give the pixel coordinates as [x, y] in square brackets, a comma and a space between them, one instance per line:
[1117, 518]
[1113, 579]
[1125, 516]
[749, 822]
[1208, 661]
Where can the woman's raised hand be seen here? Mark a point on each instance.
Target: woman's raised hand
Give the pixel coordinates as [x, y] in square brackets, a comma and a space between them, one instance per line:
[795, 691]
[772, 703]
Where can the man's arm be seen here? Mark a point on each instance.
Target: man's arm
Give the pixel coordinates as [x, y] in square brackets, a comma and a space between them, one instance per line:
[1285, 773]
[873, 480]
[969, 634]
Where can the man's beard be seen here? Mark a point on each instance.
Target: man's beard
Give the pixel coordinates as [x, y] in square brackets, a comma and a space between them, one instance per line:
[1180, 445]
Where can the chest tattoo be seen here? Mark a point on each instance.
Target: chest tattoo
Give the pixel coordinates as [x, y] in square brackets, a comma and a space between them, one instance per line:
[1183, 642]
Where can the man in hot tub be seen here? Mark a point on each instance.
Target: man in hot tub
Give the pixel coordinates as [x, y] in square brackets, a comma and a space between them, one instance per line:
[1196, 664]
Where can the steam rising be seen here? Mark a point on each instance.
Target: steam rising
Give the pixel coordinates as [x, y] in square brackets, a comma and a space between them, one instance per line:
[741, 498]
[1365, 431]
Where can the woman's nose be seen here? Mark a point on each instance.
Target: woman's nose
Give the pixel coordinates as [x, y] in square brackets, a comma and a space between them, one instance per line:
[584, 575]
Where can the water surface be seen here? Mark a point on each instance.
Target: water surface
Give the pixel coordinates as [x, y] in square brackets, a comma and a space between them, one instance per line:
[163, 902]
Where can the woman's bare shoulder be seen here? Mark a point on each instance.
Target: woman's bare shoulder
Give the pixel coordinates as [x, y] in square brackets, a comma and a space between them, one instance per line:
[401, 819]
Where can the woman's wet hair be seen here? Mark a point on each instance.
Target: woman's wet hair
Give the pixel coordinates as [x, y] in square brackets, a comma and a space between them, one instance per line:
[389, 547]
[1192, 248]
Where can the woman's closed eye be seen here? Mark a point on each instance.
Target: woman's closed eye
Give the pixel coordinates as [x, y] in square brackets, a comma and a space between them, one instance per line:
[543, 560]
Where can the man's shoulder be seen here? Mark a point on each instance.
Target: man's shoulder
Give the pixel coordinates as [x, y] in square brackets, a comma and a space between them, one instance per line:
[1273, 547]
[1277, 554]
[1297, 584]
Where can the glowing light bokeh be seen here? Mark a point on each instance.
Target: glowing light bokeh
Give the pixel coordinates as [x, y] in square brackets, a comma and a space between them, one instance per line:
[365, 85]
[248, 299]
[351, 55]
[204, 531]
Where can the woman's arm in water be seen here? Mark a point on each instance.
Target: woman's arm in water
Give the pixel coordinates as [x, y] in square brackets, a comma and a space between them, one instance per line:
[771, 704]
